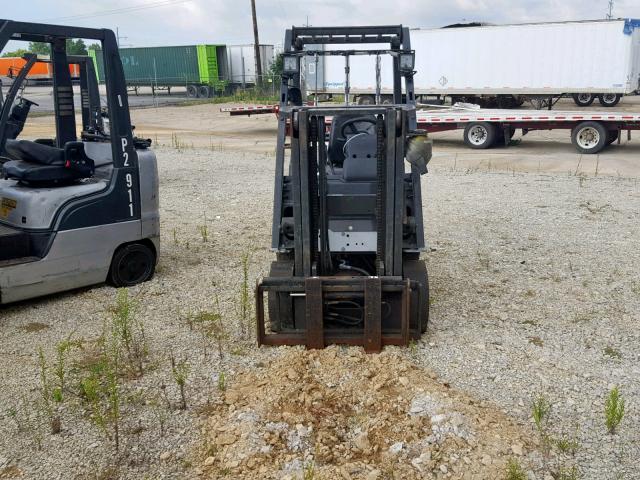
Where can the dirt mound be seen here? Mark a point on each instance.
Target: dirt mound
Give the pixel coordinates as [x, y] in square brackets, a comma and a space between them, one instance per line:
[339, 413]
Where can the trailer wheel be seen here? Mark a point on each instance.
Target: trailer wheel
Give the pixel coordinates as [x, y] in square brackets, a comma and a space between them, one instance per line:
[499, 140]
[612, 136]
[589, 137]
[366, 100]
[480, 135]
[609, 99]
[192, 91]
[583, 99]
[204, 91]
[132, 264]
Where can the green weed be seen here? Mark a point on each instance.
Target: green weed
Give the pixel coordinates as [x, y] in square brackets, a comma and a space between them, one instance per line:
[129, 330]
[614, 410]
[244, 300]
[180, 370]
[47, 396]
[612, 352]
[515, 471]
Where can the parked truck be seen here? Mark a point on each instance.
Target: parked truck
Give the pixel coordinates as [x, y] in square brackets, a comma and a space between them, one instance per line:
[40, 72]
[241, 66]
[501, 65]
[204, 70]
[199, 68]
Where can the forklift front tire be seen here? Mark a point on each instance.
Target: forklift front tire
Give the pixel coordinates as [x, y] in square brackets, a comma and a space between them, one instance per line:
[132, 264]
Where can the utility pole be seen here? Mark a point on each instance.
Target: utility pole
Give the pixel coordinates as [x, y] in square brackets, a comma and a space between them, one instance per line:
[256, 42]
[610, 14]
[118, 37]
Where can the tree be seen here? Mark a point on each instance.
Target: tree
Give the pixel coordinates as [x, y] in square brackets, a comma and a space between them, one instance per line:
[39, 48]
[76, 47]
[276, 67]
[94, 46]
[16, 53]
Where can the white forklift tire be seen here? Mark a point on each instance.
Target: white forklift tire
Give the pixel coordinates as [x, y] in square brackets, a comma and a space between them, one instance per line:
[480, 135]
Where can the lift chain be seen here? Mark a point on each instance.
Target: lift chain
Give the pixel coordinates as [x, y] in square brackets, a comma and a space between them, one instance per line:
[381, 167]
[313, 191]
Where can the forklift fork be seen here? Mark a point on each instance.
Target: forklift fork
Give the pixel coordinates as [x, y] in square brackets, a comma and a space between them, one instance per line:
[316, 335]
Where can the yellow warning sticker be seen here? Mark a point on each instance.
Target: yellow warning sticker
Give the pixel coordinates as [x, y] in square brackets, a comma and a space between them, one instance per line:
[6, 205]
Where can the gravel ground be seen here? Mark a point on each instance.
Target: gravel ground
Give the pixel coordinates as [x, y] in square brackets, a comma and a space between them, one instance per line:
[534, 291]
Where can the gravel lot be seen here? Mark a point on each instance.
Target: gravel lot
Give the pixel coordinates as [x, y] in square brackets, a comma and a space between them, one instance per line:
[535, 292]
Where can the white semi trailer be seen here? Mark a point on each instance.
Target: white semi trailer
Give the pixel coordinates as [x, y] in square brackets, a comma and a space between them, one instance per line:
[241, 63]
[502, 65]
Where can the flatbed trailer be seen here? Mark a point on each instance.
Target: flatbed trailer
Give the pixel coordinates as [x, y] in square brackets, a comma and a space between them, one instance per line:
[591, 131]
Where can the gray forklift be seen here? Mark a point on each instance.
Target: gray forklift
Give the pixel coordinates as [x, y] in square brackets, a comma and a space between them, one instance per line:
[81, 208]
[347, 218]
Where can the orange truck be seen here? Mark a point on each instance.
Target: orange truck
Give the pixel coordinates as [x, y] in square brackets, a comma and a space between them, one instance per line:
[11, 66]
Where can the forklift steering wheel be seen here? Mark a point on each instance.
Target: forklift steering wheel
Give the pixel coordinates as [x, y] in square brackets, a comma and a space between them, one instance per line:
[354, 130]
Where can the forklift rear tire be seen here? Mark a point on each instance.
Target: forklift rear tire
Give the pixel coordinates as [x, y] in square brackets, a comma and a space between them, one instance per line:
[132, 264]
[480, 135]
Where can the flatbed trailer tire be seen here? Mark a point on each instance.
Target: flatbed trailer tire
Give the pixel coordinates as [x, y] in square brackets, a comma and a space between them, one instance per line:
[480, 135]
[589, 137]
[500, 140]
[613, 136]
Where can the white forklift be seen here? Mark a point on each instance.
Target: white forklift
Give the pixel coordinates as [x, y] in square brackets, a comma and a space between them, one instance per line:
[81, 208]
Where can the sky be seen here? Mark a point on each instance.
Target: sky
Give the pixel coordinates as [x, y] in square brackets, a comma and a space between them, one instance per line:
[183, 22]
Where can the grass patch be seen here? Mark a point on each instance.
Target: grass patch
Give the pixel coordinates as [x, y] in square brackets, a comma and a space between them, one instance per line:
[32, 327]
[514, 471]
[614, 410]
[612, 352]
[537, 341]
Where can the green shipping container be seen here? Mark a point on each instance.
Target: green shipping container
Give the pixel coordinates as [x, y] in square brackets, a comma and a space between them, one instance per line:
[195, 65]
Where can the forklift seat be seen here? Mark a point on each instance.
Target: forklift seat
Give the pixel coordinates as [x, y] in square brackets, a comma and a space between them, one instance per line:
[34, 152]
[360, 163]
[36, 163]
